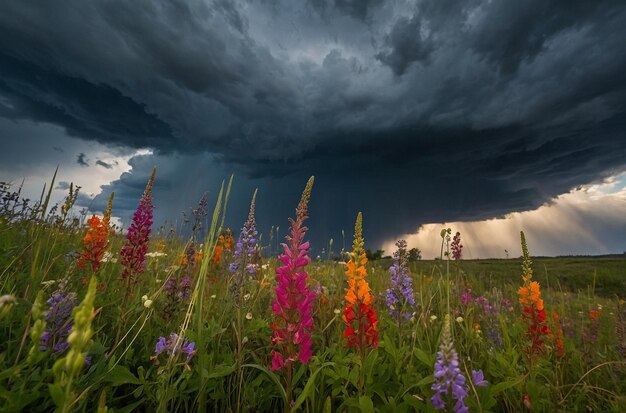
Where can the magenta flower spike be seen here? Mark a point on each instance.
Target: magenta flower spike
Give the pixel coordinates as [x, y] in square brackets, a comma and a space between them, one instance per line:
[293, 303]
[133, 254]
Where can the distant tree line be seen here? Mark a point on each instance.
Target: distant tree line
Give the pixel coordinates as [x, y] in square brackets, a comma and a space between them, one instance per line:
[415, 254]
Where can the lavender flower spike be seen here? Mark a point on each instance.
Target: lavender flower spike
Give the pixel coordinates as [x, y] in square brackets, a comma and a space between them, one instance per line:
[449, 381]
[59, 322]
[246, 253]
[401, 292]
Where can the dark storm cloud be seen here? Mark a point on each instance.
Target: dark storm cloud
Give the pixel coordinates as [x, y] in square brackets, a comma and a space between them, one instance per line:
[414, 112]
[406, 44]
[104, 164]
[63, 185]
[519, 31]
[81, 160]
[85, 109]
[357, 9]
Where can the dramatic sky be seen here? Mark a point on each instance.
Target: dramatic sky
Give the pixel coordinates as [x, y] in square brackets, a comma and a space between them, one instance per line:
[488, 115]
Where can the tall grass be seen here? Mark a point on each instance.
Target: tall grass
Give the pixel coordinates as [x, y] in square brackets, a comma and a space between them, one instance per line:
[224, 371]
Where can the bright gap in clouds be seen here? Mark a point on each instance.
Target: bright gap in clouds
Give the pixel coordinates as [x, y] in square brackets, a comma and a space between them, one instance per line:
[36, 150]
[584, 221]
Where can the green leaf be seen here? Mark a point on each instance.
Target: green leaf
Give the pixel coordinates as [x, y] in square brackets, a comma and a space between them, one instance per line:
[272, 377]
[308, 388]
[424, 358]
[500, 387]
[120, 375]
[366, 405]
[129, 408]
[221, 370]
[56, 392]
[328, 405]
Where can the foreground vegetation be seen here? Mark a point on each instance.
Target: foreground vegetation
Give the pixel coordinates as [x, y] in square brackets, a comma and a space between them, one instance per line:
[93, 320]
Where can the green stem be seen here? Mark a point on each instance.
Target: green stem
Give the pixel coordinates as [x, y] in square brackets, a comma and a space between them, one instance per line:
[239, 356]
[288, 390]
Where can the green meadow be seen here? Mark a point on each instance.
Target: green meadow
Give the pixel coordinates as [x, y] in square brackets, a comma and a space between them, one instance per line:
[93, 333]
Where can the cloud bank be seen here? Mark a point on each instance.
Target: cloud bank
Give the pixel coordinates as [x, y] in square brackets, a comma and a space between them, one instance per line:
[412, 111]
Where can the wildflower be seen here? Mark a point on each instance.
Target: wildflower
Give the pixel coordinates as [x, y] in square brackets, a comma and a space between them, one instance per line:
[459, 319]
[449, 381]
[174, 346]
[177, 293]
[533, 312]
[79, 339]
[107, 256]
[133, 254]
[6, 302]
[336, 311]
[292, 305]
[96, 240]
[199, 213]
[59, 322]
[484, 303]
[219, 247]
[456, 247]
[224, 243]
[558, 336]
[95, 243]
[466, 297]
[590, 333]
[249, 316]
[433, 317]
[156, 254]
[478, 379]
[147, 303]
[527, 402]
[246, 252]
[359, 314]
[401, 292]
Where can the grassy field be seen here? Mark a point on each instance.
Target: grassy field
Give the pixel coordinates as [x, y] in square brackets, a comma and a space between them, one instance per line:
[604, 275]
[89, 324]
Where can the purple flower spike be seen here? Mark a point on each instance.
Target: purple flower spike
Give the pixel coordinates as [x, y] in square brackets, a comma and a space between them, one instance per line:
[456, 247]
[246, 253]
[400, 294]
[58, 322]
[449, 381]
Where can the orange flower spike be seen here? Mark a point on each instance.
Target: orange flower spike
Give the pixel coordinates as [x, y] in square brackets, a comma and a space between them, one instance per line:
[95, 243]
[533, 313]
[350, 269]
[523, 293]
[359, 316]
[218, 254]
[534, 291]
[350, 293]
[558, 336]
